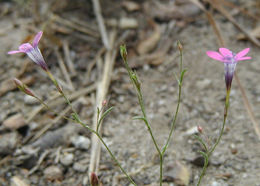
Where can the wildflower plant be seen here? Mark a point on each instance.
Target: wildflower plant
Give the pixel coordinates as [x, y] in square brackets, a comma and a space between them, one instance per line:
[137, 85]
[224, 55]
[34, 53]
[230, 60]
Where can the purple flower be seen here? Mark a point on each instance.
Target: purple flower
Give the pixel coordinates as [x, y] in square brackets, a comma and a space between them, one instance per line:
[230, 60]
[33, 51]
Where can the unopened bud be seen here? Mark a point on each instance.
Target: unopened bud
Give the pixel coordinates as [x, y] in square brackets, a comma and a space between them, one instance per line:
[123, 52]
[23, 87]
[179, 46]
[200, 129]
[104, 103]
[94, 179]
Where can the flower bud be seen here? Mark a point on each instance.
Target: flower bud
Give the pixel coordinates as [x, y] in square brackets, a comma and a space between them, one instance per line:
[200, 129]
[104, 103]
[179, 46]
[94, 179]
[23, 87]
[123, 52]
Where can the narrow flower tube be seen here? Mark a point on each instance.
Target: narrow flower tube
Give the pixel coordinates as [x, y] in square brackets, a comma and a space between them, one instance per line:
[230, 60]
[33, 51]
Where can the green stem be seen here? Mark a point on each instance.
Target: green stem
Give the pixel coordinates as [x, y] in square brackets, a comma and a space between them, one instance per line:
[161, 169]
[47, 107]
[203, 170]
[209, 153]
[109, 151]
[93, 131]
[223, 125]
[114, 158]
[173, 122]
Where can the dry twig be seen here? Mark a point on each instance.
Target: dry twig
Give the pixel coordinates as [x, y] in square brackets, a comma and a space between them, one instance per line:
[64, 69]
[102, 90]
[101, 24]
[68, 58]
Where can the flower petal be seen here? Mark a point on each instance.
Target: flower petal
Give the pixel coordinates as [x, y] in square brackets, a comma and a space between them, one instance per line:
[26, 47]
[242, 53]
[215, 55]
[14, 52]
[244, 58]
[225, 52]
[37, 39]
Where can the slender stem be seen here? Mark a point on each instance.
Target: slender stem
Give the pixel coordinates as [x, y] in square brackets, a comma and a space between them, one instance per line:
[114, 158]
[203, 170]
[93, 131]
[149, 127]
[173, 122]
[107, 148]
[161, 169]
[209, 153]
[223, 125]
[47, 107]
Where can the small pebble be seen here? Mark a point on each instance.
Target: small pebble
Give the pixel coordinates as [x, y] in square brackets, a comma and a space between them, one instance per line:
[67, 159]
[16, 181]
[191, 131]
[80, 142]
[80, 167]
[29, 100]
[202, 84]
[215, 183]
[131, 6]
[53, 173]
[14, 122]
[8, 142]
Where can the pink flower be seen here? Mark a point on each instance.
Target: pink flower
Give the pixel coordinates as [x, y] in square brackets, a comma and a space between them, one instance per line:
[230, 60]
[33, 51]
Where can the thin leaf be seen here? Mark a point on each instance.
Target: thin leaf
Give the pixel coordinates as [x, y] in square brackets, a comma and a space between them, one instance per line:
[202, 142]
[139, 118]
[182, 75]
[105, 114]
[75, 117]
[176, 77]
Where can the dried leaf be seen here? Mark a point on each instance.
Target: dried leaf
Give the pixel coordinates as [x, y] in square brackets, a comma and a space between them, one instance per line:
[8, 84]
[255, 33]
[15, 121]
[148, 44]
[178, 173]
[215, 4]
[131, 6]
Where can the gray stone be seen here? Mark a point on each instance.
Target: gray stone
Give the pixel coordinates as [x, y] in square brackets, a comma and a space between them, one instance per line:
[67, 159]
[53, 173]
[80, 142]
[80, 167]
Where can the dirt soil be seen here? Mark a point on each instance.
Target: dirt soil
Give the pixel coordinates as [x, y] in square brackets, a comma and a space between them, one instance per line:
[48, 150]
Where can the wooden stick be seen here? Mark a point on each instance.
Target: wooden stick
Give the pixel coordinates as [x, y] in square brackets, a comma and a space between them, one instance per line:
[102, 89]
[52, 102]
[64, 69]
[68, 58]
[49, 125]
[101, 24]
[75, 26]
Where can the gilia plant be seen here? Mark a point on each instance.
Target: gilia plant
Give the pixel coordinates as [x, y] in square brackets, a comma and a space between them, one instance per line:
[137, 85]
[34, 53]
[230, 60]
